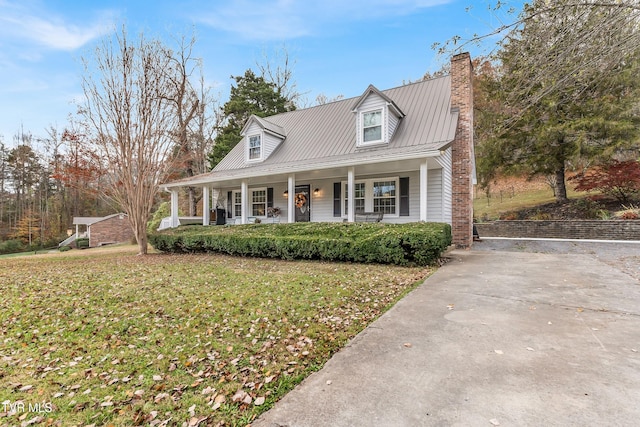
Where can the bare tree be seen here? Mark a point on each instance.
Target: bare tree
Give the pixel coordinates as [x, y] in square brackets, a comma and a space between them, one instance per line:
[578, 40]
[278, 69]
[126, 87]
[186, 102]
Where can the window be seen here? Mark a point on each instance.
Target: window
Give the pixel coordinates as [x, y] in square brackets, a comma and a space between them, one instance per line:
[258, 202]
[373, 195]
[255, 147]
[372, 126]
[359, 199]
[237, 204]
[384, 197]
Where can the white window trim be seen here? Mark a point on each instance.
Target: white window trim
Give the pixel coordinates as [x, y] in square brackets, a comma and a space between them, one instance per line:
[368, 195]
[250, 202]
[248, 148]
[383, 127]
[234, 204]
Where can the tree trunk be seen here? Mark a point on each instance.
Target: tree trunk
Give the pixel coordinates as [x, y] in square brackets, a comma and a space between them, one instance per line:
[140, 231]
[561, 188]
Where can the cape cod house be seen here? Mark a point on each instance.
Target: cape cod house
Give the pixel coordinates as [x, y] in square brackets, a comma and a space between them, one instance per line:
[399, 155]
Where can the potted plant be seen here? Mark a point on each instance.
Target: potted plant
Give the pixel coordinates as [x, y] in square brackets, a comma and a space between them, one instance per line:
[273, 212]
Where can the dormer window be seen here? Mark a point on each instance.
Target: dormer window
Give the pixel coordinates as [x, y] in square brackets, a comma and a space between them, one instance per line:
[377, 118]
[372, 126]
[255, 147]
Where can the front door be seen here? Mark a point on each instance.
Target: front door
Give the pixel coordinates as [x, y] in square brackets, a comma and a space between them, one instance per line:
[302, 203]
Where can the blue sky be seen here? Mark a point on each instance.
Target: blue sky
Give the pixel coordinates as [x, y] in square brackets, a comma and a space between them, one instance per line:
[339, 46]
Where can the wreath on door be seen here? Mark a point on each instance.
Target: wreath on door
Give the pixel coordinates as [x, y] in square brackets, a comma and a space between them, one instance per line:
[301, 200]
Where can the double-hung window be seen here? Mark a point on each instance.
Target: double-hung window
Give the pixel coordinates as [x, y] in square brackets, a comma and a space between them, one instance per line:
[380, 195]
[259, 202]
[384, 197]
[237, 204]
[371, 126]
[360, 190]
[255, 147]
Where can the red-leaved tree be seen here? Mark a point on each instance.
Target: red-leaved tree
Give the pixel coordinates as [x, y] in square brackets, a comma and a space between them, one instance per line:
[618, 179]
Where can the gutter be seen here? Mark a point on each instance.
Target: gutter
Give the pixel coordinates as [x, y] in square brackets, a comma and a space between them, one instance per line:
[296, 168]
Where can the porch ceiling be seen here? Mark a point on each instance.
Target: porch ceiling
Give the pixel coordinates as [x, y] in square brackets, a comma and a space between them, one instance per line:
[395, 167]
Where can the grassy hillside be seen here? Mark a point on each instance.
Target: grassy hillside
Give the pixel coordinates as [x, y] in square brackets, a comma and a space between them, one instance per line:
[518, 198]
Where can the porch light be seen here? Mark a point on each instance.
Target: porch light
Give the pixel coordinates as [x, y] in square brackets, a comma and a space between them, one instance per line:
[286, 193]
[316, 191]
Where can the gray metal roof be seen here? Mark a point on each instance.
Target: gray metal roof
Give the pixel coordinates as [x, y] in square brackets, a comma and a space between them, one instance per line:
[326, 134]
[90, 220]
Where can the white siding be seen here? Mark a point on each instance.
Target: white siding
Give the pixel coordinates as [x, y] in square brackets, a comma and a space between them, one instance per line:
[434, 195]
[269, 142]
[447, 185]
[322, 203]
[392, 124]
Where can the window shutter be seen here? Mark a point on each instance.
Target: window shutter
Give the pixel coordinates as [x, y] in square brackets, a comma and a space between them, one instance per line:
[269, 197]
[229, 204]
[404, 196]
[337, 189]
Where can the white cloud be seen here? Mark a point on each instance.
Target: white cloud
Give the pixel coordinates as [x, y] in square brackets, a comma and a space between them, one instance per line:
[288, 19]
[46, 29]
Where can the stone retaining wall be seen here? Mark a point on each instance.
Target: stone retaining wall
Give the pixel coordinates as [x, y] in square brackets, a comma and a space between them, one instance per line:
[585, 229]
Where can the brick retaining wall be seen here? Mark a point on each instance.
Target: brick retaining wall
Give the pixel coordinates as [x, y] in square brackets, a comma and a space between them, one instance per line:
[584, 229]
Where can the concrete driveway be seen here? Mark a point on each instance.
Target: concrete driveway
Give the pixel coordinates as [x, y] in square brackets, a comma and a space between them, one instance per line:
[498, 336]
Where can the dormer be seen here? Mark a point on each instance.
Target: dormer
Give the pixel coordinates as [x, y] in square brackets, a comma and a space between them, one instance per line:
[377, 118]
[260, 138]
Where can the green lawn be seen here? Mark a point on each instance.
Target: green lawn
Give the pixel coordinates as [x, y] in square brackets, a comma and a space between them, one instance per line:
[104, 337]
[501, 202]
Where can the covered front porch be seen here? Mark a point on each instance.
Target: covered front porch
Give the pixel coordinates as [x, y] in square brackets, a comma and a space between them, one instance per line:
[402, 190]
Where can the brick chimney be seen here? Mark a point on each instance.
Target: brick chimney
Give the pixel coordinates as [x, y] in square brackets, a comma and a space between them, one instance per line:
[462, 151]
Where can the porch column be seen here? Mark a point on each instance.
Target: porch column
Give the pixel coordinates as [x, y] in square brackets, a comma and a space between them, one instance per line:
[291, 198]
[245, 201]
[206, 209]
[351, 192]
[424, 169]
[174, 209]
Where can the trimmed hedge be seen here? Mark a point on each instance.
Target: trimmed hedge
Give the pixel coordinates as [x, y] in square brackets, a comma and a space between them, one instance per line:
[401, 244]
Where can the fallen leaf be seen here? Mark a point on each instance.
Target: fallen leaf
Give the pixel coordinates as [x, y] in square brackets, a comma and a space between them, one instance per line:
[329, 382]
[160, 396]
[498, 351]
[450, 306]
[239, 396]
[25, 388]
[408, 345]
[494, 421]
[530, 349]
[259, 401]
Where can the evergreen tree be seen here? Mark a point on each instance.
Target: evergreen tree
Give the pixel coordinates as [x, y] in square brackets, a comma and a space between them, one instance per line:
[251, 95]
[559, 113]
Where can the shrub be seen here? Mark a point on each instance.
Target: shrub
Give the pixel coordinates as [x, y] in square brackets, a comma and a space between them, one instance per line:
[64, 248]
[401, 244]
[82, 243]
[618, 179]
[164, 210]
[11, 246]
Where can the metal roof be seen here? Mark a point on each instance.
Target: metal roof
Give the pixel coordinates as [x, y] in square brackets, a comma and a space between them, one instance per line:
[326, 134]
[90, 220]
